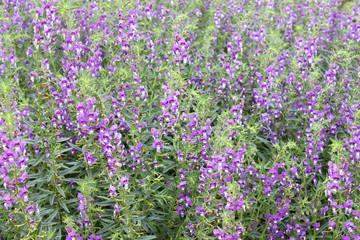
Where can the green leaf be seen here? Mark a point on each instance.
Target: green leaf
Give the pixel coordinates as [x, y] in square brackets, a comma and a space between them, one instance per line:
[71, 170]
[52, 198]
[76, 147]
[63, 204]
[62, 139]
[61, 191]
[63, 151]
[147, 237]
[52, 216]
[107, 228]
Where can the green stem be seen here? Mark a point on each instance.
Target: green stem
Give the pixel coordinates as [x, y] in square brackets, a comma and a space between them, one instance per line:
[252, 216]
[38, 87]
[128, 214]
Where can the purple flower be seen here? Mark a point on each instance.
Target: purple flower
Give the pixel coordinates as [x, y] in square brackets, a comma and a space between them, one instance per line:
[218, 233]
[113, 191]
[332, 225]
[188, 202]
[8, 200]
[156, 164]
[36, 208]
[116, 209]
[356, 214]
[155, 132]
[316, 226]
[29, 52]
[333, 205]
[89, 158]
[124, 181]
[45, 64]
[157, 144]
[23, 193]
[324, 210]
[349, 225]
[200, 210]
[29, 210]
[180, 211]
[93, 237]
[72, 235]
[81, 108]
[348, 205]
[83, 204]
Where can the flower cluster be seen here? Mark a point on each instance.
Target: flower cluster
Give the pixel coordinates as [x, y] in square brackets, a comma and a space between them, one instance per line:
[179, 119]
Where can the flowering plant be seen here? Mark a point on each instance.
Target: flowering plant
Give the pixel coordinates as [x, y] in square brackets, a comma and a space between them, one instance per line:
[179, 119]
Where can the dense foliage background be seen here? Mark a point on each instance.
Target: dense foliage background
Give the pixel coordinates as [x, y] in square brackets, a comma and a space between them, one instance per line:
[172, 119]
